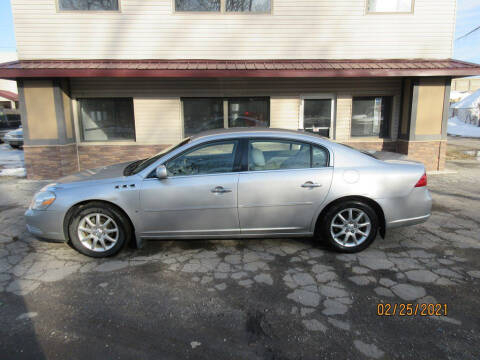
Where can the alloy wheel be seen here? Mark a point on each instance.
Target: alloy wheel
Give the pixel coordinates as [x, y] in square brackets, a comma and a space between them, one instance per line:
[350, 227]
[98, 232]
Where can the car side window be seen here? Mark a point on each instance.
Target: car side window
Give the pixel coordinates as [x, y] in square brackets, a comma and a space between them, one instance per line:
[319, 157]
[278, 155]
[218, 157]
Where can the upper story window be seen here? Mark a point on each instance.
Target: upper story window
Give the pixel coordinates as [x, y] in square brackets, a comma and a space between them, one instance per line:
[197, 5]
[88, 5]
[224, 6]
[255, 6]
[390, 6]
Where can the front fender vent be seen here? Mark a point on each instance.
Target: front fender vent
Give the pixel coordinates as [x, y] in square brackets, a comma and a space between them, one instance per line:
[125, 186]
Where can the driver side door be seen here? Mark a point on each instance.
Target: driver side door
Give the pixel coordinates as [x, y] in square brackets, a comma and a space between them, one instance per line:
[199, 196]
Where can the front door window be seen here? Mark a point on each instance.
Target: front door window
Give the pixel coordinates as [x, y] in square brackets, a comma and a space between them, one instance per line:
[214, 158]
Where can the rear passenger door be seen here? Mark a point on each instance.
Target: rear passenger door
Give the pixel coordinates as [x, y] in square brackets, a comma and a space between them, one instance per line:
[284, 185]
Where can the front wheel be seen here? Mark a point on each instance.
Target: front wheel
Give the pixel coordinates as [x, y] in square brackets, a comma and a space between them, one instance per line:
[350, 227]
[99, 230]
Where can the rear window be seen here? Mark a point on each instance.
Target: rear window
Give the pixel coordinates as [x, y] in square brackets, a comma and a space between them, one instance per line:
[362, 151]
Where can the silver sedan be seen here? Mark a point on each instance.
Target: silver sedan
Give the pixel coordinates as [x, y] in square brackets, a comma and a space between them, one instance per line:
[242, 183]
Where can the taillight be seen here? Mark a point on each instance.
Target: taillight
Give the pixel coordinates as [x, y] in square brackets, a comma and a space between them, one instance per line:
[422, 181]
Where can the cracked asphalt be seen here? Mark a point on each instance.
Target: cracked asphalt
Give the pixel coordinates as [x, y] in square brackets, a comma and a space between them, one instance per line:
[255, 299]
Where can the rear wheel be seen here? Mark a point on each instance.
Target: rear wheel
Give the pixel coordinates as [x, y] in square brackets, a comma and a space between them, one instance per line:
[350, 226]
[99, 230]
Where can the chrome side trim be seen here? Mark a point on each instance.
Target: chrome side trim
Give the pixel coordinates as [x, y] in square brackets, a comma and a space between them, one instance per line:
[408, 222]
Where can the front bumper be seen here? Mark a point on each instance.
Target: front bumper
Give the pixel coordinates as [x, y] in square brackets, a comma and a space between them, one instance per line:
[45, 224]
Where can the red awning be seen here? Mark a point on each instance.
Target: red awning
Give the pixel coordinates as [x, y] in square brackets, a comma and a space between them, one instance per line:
[9, 95]
[236, 68]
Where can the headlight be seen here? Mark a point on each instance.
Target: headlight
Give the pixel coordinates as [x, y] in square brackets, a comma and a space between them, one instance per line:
[42, 200]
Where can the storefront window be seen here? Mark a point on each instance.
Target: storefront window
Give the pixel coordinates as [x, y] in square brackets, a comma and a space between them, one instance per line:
[371, 116]
[201, 114]
[106, 119]
[248, 112]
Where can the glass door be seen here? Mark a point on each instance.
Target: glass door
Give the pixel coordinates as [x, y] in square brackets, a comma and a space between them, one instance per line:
[317, 114]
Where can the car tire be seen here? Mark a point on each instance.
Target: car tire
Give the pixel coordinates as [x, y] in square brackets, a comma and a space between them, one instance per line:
[102, 239]
[360, 227]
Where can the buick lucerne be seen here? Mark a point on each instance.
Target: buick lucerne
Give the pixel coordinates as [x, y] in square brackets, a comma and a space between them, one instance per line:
[237, 183]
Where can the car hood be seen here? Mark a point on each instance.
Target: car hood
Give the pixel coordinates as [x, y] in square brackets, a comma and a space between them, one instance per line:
[102, 173]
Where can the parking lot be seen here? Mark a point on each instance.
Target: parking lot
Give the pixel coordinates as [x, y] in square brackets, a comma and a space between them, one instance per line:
[248, 299]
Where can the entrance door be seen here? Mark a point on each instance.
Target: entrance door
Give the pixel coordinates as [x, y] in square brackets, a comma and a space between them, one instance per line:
[317, 114]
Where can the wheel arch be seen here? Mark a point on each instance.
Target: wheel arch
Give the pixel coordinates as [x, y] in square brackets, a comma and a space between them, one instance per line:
[71, 211]
[378, 210]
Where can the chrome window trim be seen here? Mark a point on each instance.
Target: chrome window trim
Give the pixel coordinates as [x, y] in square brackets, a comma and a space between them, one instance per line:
[249, 135]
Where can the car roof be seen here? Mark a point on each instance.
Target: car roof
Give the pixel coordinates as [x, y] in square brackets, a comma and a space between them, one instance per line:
[252, 131]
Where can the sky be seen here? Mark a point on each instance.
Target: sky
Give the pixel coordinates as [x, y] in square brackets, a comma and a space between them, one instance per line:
[468, 18]
[467, 49]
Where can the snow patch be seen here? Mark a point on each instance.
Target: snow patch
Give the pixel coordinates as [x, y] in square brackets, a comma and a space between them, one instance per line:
[459, 128]
[11, 161]
[19, 172]
[456, 96]
[469, 102]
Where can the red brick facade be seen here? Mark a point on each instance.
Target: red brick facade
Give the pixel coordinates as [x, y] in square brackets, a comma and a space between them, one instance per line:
[51, 162]
[386, 145]
[93, 156]
[430, 153]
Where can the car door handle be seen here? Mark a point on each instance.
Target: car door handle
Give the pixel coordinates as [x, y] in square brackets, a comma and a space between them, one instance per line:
[310, 184]
[220, 190]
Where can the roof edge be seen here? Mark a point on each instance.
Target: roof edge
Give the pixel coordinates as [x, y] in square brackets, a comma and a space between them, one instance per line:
[312, 68]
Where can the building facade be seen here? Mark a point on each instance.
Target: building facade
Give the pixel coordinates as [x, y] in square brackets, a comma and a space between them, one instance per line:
[103, 81]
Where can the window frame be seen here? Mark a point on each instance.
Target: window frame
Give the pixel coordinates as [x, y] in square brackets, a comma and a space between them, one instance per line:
[79, 124]
[320, 96]
[245, 153]
[411, 12]
[388, 135]
[59, 10]
[225, 101]
[222, 11]
[236, 160]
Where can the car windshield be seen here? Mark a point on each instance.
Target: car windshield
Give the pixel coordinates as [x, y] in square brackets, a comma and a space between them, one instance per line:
[139, 165]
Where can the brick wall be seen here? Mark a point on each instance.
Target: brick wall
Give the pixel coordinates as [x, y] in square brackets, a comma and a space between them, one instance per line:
[93, 156]
[431, 153]
[380, 145]
[50, 162]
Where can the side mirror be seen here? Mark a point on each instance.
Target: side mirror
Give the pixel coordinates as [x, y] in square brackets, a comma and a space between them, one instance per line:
[161, 172]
